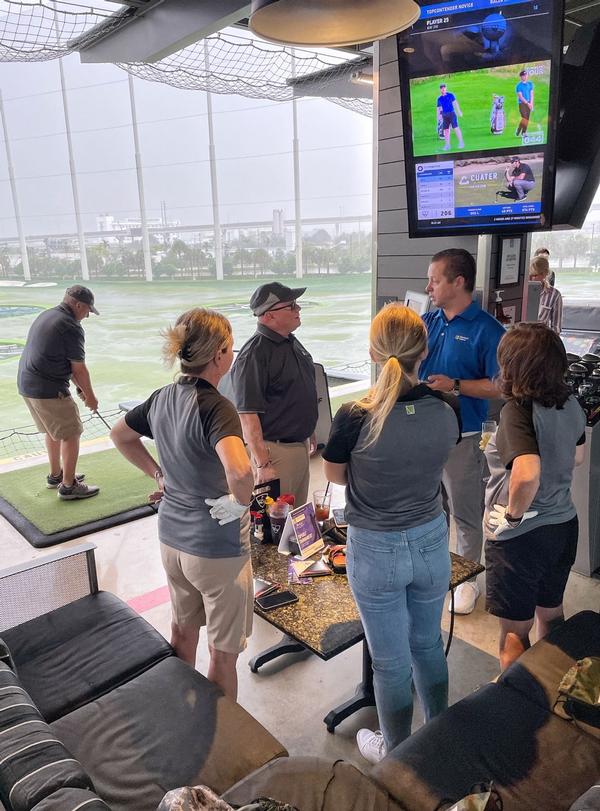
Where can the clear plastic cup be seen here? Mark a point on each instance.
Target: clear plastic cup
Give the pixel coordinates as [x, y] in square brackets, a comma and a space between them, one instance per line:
[277, 514]
[322, 502]
[488, 429]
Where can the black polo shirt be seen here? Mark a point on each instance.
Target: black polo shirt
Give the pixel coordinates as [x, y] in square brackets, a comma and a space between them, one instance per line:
[55, 339]
[394, 483]
[274, 377]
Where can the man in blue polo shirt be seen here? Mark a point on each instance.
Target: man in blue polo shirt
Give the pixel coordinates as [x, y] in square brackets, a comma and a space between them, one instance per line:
[448, 108]
[462, 345]
[525, 95]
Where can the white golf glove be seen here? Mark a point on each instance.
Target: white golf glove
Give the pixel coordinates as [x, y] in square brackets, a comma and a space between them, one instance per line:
[225, 509]
[497, 518]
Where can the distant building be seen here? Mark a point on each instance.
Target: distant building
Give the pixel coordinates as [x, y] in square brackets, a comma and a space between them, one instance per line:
[133, 225]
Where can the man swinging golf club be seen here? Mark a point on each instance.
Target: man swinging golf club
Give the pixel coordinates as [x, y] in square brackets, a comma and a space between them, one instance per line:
[55, 354]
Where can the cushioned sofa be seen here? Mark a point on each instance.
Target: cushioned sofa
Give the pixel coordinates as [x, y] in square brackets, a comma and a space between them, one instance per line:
[96, 712]
[92, 698]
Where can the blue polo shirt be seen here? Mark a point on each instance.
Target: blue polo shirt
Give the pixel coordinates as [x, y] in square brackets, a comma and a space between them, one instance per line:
[525, 89]
[463, 348]
[446, 102]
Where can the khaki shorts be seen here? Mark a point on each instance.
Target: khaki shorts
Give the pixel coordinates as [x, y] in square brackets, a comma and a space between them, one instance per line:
[216, 592]
[57, 416]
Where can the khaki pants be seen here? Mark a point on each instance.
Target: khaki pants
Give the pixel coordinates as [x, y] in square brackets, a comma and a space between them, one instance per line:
[291, 461]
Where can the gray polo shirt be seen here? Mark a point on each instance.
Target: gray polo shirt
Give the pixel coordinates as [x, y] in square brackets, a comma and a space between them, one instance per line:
[187, 420]
[55, 339]
[550, 433]
[395, 483]
[274, 377]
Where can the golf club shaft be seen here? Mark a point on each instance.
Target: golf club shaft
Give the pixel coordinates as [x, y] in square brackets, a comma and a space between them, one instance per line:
[98, 414]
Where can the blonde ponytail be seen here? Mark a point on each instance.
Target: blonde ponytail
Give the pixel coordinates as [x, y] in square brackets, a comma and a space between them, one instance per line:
[398, 339]
[195, 340]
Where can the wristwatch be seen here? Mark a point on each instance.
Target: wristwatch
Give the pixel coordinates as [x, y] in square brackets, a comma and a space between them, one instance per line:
[456, 386]
[512, 522]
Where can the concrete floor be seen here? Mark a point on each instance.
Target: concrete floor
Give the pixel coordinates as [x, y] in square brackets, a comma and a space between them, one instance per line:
[292, 695]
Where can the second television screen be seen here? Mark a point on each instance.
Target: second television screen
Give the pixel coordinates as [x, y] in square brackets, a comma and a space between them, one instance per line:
[479, 102]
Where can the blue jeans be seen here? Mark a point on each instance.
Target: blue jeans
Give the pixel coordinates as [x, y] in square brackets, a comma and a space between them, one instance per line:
[399, 581]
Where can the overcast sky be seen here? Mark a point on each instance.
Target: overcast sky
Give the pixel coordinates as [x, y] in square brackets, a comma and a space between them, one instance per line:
[335, 144]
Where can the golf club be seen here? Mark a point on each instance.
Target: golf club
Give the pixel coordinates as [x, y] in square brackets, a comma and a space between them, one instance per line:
[97, 413]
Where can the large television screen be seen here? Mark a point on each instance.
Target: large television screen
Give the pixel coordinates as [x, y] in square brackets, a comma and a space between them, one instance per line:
[479, 81]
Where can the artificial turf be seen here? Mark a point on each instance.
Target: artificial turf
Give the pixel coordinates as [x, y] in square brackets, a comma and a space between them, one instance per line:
[122, 487]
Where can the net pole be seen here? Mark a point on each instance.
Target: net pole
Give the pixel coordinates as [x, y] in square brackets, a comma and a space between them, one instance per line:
[214, 187]
[140, 182]
[13, 191]
[296, 151]
[85, 273]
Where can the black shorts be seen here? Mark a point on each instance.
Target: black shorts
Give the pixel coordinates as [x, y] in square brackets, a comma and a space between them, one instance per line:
[449, 120]
[529, 570]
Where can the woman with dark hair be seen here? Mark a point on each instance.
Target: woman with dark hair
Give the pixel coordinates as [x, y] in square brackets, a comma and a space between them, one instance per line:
[205, 481]
[530, 520]
[390, 449]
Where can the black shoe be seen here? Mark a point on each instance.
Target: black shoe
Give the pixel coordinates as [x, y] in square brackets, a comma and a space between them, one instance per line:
[52, 482]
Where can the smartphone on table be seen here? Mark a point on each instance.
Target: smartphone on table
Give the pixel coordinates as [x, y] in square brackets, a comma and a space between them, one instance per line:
[339, 518]
[280, 598]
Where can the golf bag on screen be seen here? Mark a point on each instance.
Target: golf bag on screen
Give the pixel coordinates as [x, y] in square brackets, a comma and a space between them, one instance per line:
[440, 127]
[497, 115]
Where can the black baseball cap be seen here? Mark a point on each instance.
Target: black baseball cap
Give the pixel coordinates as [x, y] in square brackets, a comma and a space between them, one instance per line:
[83, 294]
[271, 294]
[515, 159]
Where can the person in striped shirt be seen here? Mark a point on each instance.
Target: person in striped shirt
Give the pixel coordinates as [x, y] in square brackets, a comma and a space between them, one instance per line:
[550, 310]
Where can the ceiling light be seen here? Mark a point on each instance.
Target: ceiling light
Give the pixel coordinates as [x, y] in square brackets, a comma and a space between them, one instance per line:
[331, 23]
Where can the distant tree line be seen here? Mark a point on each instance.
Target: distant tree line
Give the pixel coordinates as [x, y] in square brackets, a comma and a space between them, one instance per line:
[321, 254]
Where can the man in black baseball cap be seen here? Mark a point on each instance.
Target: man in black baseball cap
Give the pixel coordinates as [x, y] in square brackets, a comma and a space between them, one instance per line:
[53, 356]
[275, 393]
[83, 295]
[520, 177]
[270, 295]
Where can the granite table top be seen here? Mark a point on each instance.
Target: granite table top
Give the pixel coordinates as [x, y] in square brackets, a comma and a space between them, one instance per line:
[325, 619]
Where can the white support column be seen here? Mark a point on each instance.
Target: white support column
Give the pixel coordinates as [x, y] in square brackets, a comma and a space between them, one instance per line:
[214, 185]
[140, 182]
[15, 198]
[297, 208]
[85, 273]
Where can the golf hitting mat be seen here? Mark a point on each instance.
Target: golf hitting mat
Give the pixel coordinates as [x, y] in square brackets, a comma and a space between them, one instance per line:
[43, 519]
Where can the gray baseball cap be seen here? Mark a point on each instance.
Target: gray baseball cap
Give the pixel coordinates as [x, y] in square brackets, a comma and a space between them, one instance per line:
[83, 294]
[271, 294]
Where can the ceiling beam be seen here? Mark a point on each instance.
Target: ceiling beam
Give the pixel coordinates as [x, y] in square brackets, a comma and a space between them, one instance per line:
[160, 28]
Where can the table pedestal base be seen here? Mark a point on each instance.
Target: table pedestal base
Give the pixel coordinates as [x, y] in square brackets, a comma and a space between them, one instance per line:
[363, 697]
[285, 645]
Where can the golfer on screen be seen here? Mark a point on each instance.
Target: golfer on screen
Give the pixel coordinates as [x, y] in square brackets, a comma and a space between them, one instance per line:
[448, 107]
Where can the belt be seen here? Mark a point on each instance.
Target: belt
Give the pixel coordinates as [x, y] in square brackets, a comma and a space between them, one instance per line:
[286, 441]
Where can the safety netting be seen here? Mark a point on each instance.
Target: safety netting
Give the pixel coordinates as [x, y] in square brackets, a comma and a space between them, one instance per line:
[39, 30]
[226, 63]
[17, 444]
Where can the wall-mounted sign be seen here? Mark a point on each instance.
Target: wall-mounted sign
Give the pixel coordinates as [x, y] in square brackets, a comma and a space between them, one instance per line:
[509, 261]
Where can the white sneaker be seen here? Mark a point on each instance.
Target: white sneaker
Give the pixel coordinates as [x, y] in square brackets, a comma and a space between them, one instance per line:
[465, 597]
[371, 745]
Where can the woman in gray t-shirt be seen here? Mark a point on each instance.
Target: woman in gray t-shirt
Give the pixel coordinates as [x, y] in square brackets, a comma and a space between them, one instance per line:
[530, 522]
[389, 449]
[204, 485]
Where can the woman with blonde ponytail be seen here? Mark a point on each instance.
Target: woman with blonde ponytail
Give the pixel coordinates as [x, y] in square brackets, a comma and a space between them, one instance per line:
[204, 484]
[389, 449]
